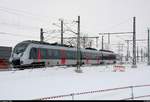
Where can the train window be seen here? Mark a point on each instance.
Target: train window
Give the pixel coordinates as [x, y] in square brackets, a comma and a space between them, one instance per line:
[107, 57]
[96, 56]
[92, 56]
[104, 57]
[113, 57]
[49, 53]
[33, 53]
[74, 54]
[84, 55]
[56, 54]
[110, 57]
[88, 55]
[44, 53]
[19, 48]
[70, 55]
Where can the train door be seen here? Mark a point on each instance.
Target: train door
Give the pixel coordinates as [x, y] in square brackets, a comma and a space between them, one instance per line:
[87, 58]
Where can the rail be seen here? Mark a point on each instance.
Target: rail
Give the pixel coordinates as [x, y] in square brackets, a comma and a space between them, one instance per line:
[98, 91]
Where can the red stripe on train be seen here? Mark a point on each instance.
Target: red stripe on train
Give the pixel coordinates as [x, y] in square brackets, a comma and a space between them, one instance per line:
[39, 55]
[63, 56]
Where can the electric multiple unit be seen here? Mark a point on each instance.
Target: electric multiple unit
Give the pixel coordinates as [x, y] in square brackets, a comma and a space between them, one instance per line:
[35, 53]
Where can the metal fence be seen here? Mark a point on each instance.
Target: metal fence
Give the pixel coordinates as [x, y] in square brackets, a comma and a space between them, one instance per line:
[72, 95]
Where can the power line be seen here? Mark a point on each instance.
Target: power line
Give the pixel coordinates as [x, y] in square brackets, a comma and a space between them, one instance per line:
[12, 34]
[138, 40]
[21, 12]
[52, 37]
[116, 25]
[119, 33]
[17, 25]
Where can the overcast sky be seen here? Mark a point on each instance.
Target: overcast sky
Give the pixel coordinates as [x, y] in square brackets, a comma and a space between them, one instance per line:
[21, 19]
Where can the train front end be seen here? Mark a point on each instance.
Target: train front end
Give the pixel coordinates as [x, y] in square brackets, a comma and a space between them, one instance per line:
[18, 55]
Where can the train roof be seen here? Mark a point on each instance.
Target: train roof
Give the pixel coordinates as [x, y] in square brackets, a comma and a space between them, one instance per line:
[106, 51]
[56, 44]
[89, 48]
[45, 43]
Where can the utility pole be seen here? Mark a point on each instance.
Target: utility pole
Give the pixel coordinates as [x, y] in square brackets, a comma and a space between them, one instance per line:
[134, 44]
[145, 54]
[83, 42]
[108, 38]
[141, 55]
[61, 32]
[90, 44]
[97, 42]
[127, 58]
[102, 42]
[78, 70]
[137, 54]
[148, 47]
[108, 41]
[62, 29]
[120, 50]
[41, 35]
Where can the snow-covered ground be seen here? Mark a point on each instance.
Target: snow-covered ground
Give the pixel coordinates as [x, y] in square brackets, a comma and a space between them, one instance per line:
[52, 81]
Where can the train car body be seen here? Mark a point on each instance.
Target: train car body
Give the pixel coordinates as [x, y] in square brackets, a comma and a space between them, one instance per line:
[35, 53]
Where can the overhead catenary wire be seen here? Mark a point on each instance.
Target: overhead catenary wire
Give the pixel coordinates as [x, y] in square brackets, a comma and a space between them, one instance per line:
[20, 13]
[23, 13]
[118, 24]
[16, 35]
[68, 27]
[19, 25]
[52, 38]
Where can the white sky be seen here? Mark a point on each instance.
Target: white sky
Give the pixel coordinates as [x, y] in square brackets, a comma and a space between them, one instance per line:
[25, 17]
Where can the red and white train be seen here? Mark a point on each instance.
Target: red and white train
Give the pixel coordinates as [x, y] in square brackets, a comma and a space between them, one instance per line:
[36, 53]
